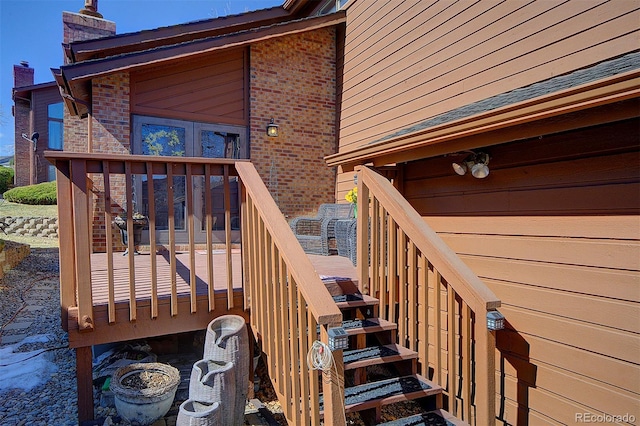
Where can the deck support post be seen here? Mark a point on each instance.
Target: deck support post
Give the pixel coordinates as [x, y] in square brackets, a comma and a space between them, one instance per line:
[333, 385]
[84, 380]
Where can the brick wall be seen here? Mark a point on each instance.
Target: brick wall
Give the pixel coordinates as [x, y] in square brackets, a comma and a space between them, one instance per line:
[22, 76]
[77, 27]
[293, 82]
[110, 129]
[22, 148]
[109, 113]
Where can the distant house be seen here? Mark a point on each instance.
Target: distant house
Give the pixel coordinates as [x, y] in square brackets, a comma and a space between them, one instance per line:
[7, 161]
[510, 132]
[37, 110]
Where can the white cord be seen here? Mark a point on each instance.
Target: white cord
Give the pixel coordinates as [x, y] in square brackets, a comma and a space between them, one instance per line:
[320, 357]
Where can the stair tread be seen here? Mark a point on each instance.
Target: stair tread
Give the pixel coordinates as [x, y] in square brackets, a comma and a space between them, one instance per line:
[346, 301]
[356, 358]
[432, 418]
[389, 391]
[367, 325]
[385, 392]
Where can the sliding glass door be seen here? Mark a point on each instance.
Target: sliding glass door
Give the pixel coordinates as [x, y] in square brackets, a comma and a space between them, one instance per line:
[159, 136]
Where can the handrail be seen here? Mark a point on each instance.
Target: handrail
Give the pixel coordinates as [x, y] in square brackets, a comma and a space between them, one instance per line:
[467, 284]
[321, 304]
[413, 272]
[289, 303]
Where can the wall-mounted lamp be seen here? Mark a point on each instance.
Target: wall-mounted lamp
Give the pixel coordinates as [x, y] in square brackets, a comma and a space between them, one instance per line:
[495, 320]
[476, 162]
[33, 139]
[272, 129]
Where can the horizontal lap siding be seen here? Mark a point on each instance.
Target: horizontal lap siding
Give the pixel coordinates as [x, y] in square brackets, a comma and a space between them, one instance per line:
[566, 267]
[210, 90]
[425, 58]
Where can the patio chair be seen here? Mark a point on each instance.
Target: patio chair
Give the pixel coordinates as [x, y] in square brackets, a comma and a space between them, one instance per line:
[314, 233]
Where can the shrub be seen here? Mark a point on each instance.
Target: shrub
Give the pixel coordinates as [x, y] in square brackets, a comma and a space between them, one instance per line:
[6, 178]
[42, 193]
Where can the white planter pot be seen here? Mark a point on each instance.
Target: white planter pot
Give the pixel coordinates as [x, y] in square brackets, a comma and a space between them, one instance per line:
[143, 406]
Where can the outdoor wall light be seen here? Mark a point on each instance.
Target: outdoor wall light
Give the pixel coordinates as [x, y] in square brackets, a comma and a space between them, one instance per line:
[476, 162]
[495, 320]
[272, 129]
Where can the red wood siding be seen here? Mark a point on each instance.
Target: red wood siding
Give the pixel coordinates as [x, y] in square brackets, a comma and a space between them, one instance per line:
[423, 58]
[211, 89]
[554, 231]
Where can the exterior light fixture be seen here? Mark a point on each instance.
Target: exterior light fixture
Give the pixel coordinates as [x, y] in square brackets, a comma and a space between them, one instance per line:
[272, 129]
[476, 162]
[462, 167]
[480, 169]
[495, 320]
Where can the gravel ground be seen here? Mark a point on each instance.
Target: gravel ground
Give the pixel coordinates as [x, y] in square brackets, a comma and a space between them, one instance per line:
[54, 402]
[30, 307]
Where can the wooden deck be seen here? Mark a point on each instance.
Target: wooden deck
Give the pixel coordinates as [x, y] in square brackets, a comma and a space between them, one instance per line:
[100, 281]
[337, 272]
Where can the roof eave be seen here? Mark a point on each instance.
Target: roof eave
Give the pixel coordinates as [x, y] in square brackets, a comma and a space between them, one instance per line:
[25, 91]
[75, 74]
[467, 133]
[131, 42]
[73, 78]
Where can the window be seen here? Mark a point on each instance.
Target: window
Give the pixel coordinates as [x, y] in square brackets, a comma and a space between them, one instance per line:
[55, 117]
[330, 6]
[51, 176]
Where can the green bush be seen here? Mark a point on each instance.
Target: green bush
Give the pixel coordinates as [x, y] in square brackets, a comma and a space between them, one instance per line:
[6, 178]
[42, 193]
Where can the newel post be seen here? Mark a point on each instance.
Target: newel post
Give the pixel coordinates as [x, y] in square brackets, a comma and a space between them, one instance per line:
[485, 374]
[66, 227]
[333, 384]
[82, 243]
[362, 233]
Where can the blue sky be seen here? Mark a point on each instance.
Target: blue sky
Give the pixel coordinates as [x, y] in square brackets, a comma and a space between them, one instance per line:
[31, 30]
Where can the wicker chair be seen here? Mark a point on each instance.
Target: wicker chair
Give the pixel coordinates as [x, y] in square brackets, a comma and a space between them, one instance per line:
[314, 233]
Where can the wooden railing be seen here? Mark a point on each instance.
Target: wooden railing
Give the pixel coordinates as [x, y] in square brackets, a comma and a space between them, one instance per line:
[285, 296]
[93, 190]
[440, 305]
[288, 303]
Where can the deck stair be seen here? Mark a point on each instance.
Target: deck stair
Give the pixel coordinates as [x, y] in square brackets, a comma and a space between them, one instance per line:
[379, 372]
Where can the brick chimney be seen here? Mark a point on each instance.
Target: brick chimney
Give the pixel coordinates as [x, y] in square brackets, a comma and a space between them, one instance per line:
[87, 24]
[22, 75]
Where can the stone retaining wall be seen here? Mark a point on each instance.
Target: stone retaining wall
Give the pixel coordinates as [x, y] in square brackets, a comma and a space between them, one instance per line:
[12, 254]
[44, 227]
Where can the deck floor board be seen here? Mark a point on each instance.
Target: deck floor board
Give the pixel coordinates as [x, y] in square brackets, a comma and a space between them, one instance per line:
[142, 274]
[326, 266]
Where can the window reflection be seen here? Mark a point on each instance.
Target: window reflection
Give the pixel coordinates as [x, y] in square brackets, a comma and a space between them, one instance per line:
[220, 144]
